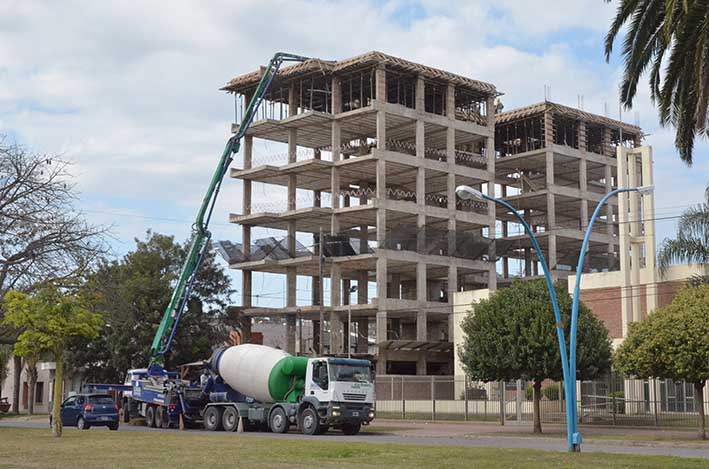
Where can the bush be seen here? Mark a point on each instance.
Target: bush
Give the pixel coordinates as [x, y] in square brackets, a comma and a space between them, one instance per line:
[529, 392]
[552, 392]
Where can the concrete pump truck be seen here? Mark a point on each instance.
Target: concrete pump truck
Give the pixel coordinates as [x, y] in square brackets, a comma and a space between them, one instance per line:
[259, 386]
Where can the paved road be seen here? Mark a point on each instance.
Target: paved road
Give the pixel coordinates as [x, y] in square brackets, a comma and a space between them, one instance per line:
[405, 433]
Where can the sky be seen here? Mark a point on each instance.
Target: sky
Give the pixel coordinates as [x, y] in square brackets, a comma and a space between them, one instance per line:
[129, 91]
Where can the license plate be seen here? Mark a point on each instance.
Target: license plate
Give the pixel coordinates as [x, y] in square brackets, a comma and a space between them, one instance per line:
[104, 418]
[355, 414]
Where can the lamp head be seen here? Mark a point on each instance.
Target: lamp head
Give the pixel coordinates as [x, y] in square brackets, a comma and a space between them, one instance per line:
[642, 190]
[468, 193]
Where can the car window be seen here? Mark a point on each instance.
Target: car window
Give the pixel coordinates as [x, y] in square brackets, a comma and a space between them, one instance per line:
[70, 402]
[80, 400]
[107, 400]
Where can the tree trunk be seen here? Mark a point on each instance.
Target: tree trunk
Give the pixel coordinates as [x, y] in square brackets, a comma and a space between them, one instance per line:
[537, 395]
[31, 370]
[57, 399]
[699, 403]
[16, 381]
[32, 383]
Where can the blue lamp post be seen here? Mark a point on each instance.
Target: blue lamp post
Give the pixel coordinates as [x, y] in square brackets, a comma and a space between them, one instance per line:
[577, 290]
[568, 366]
[468, 193]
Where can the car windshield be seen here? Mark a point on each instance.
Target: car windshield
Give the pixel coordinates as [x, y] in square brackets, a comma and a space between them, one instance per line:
[105, 400]
[358, 374]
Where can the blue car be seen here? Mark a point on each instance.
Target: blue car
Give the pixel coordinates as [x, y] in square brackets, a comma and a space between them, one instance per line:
[86, 410]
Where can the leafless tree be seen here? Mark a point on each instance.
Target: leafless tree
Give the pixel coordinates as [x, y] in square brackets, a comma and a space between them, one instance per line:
[43, 238]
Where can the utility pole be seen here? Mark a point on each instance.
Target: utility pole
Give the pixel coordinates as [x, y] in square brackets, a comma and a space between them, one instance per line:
[321, 263]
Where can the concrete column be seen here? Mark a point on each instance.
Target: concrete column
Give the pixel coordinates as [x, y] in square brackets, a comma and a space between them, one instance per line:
[634, 217]
[583, 175]
[505, 234]
[362, 335]
[246, 275]
[291, 273]
[421, 293]
[336, 151]
[380, 86]
[608, 176]
[491, 213]
[624, 238]
[648, 201]
[551, 213]
[381, 274]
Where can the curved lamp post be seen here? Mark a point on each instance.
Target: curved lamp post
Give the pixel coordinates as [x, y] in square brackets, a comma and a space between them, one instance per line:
[468, 193]
[568, 366]
[577, 289]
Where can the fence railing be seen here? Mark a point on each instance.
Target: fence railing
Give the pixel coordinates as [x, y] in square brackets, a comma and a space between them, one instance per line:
[611, 400]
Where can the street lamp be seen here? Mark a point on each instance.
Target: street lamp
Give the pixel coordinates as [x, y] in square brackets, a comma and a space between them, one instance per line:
[573, 437]
[577, 288]
[349, 322]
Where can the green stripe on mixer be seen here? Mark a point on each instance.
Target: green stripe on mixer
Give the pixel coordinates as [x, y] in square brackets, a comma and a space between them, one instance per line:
[287, 378]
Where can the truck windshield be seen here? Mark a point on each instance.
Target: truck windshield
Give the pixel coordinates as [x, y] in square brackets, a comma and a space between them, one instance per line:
[358, 374]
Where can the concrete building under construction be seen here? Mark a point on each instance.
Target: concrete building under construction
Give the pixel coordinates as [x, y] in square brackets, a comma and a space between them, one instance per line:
[375, 148]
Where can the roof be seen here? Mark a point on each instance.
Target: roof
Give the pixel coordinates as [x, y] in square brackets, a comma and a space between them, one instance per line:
[539, 108]
[249, 80]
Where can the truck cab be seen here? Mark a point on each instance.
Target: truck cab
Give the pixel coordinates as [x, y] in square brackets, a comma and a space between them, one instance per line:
[341, 390]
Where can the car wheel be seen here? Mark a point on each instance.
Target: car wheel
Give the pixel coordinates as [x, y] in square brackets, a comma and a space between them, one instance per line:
[278, 423]
[213, 419]
[150, 417]
[309, 422]
[81, 424]
[351, 428]
[161, 418]
[113, 426]
[230, 419]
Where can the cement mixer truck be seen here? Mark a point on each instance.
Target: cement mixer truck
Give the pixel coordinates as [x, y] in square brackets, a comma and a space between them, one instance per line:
[267, 387]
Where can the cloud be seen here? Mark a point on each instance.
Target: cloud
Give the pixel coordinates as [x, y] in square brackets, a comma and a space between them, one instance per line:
[131, 94]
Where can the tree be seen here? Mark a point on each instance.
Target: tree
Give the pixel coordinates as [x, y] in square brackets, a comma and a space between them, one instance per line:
[132, 293]
[5, 355]
[512, 335]
[673, 35]
[31, 358]
[49, 320]
[42, 238]
[692, 243]
[672, 343]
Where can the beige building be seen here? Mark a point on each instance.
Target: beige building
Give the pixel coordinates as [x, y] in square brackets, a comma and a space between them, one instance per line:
[44, 387]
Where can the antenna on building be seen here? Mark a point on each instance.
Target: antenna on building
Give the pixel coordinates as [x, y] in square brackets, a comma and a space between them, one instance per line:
[605, 108]
[637, 118]
[579, 98]
[547, 92]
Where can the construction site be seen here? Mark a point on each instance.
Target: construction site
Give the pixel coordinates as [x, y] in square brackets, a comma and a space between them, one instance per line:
[376, 146]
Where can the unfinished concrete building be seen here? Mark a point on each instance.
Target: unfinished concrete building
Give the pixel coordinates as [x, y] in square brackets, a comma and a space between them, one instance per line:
[554, 164]
[375, 148]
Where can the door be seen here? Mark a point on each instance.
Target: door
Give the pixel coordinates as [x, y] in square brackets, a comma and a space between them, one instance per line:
[320, 382]
[69, 411]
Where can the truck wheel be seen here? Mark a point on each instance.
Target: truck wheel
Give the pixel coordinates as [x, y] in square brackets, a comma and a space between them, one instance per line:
[309, 422]
[351, 428]
[213, 419]
[230, 419]
[161, 418]
[278, 421]
[150, 417]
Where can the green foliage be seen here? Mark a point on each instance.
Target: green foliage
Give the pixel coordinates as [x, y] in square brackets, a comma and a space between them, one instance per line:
[668, 40]
[529, 392]
[512, 335]
[691, 245]
[132, 294]
[672, 342]
[551, 392]
[49, 321]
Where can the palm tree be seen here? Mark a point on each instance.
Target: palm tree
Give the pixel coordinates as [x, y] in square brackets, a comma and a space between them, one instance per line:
[692, 243]
[672, 37]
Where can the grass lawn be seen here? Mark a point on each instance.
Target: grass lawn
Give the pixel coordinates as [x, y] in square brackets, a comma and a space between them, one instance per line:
[102, 448]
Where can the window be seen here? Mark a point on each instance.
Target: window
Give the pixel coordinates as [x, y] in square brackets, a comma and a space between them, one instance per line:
[105, 400]
[39, 393]
[70, 402]
[320, 374]
[350, 373]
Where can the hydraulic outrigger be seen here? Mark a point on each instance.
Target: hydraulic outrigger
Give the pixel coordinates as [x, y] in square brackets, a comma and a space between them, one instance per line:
[200, 229]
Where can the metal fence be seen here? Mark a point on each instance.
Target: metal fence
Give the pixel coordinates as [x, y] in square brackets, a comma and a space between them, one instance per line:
[611, 400]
